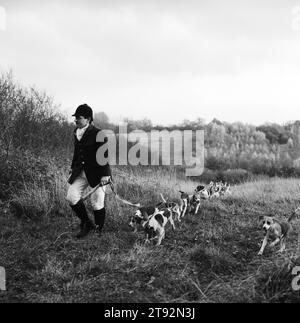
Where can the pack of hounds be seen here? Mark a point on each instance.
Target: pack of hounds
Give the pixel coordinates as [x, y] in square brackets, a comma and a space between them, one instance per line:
[153, 219]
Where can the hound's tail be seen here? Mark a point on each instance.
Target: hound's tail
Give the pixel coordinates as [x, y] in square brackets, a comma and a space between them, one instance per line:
[163, 198]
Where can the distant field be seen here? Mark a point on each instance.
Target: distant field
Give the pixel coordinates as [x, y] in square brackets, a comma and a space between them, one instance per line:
[211, 257]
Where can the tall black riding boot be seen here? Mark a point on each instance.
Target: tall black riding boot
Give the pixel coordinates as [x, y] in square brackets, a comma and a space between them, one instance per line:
[99, 220]
[86, 224]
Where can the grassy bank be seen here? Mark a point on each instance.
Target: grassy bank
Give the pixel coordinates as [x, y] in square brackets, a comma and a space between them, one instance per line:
[211, 257]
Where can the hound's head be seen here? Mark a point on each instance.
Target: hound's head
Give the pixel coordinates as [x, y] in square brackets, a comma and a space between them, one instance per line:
[135, 219]
[196, 197]
[267, 222]
[138, 213]
[132, 222]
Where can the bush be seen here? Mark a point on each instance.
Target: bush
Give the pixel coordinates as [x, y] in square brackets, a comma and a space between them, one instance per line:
[208, 176]
[30, 120]
[216, 163]
[24, 168]
[38, 187]
[232, 176]
[235, 176]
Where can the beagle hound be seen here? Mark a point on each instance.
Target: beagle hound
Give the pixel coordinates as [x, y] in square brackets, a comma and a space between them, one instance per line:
[278, 230]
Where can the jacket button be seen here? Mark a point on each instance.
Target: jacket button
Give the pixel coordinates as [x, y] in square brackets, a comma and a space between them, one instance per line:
[82, 163]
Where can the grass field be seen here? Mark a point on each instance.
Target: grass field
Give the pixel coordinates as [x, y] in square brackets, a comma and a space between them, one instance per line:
[211, 257]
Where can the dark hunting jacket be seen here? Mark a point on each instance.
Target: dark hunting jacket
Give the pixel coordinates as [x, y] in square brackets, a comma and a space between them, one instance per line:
[84, 158]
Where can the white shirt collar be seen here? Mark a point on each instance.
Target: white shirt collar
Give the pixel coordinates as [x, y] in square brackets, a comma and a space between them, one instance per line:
[81, 131]
[84, 128]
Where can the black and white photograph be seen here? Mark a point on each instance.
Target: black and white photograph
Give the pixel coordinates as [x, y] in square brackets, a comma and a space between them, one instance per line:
[149, 154]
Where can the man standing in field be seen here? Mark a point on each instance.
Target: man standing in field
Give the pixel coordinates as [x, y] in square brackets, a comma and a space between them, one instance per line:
[87, 172]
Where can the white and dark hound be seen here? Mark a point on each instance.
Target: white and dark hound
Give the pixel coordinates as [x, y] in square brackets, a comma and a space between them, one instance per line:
[155, 226]
[153, 221]
[277, 230]
[141, 216]
[171, 206]
[185, 200]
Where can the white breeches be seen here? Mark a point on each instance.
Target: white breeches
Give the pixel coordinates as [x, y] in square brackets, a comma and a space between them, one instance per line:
[76, 190]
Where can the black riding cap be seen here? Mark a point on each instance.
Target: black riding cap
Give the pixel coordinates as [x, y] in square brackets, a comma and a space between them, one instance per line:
[85, 111]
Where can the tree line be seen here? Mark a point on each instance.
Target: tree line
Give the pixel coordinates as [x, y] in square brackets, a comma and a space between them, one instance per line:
[30, 120]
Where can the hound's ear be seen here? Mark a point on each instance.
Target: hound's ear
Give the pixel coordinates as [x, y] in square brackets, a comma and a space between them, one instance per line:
[261, 217]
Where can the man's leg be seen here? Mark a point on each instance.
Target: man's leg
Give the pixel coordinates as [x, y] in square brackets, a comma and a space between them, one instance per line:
[74, 195]
[97, 200]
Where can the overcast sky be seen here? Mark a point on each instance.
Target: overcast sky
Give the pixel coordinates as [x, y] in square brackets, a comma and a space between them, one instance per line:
[165, 60]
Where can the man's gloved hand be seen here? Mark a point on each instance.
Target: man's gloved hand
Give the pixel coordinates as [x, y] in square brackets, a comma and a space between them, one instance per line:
[105, 180]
